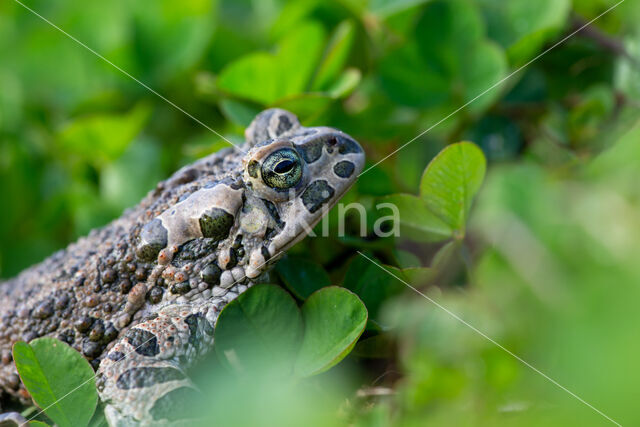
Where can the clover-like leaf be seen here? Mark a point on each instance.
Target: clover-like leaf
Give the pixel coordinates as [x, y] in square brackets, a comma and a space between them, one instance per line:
[260, 328]
[334, 319]
[373, 285]
[451, 64]
[417, 222]
[101, 138]
[523, 26]
[59, 379]
[450, 182]
[335, 55]
[302, 276]
[265, 78]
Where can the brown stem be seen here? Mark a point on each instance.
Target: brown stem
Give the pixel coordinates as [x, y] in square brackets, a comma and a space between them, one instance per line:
[605, 41]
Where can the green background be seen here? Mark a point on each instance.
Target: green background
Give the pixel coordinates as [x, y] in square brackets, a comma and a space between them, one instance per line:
[547, 261]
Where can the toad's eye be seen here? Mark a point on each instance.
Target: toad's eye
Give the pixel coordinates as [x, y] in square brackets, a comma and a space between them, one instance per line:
[284, 166]
[282, 169]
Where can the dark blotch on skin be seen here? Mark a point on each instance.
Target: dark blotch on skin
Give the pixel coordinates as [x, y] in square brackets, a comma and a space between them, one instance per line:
[153, 238]
[237, 242]
[265, 253]
[208, 329]
[146, 377]
[116, 356]
[43, 310]
[252, 169]
[67, 336]
[311, 151]
[109, 275]
[175, 405]
[216, 223]
[270, 232]
[236, 185]
[194, 336]
[211, 274]
[233, 259]
[110, 333]
[284, 124]
[144, 342]
[316, 194]
[62, 301]
[155, 294]
[125, 286]
[180, 288]
[196, 249]
[273, 211]
[346, 145]
[259, 133]
[141, 274]
[91, 349]
[184, 176]
[97, 331]
[83, 324]
[344, 169]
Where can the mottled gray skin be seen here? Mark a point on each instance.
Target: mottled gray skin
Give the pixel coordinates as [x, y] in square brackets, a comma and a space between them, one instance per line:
[139, 298]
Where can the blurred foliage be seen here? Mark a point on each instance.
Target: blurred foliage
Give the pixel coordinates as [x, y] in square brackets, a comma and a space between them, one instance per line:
[545, 264]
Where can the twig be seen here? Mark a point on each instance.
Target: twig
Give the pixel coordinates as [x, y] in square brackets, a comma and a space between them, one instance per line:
[602, 39]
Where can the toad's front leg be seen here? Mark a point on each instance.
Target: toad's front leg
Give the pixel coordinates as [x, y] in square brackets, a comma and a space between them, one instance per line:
[143, 379]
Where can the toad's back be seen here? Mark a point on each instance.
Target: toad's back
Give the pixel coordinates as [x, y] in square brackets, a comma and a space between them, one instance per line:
[79, 294]
[139, 298]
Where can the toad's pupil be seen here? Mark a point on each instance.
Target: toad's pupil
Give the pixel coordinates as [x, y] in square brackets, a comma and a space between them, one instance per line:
[284, 166]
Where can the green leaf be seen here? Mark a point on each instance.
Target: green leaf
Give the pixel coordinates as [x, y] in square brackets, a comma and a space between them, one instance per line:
[126, 180]
[265, 77]
[335, 55]
[298, 57]
[345, 83]
[254, 77]
[417, 222]
[482, 68]
[102, 138]
[444, 255]
[418, 276]
[305, 105]
[259, 329]
[385, 8]
[450, 182]
[375, 347]
[58, 378]
[448, 65]
[334, 319]
[500, 138]
[408, 80]
[523, 26]
[169, 36]
[454, 27]
[302, 276]
[456, 48]
[238, 112]
[373, 285]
